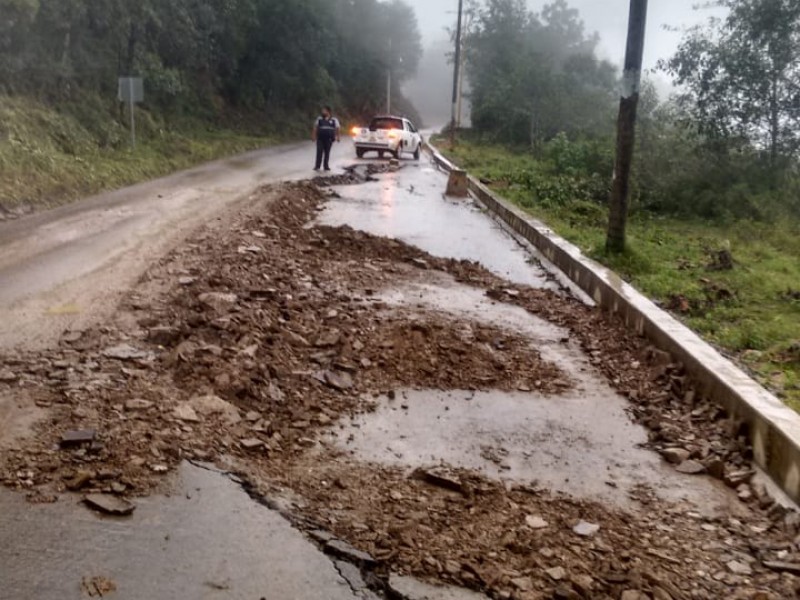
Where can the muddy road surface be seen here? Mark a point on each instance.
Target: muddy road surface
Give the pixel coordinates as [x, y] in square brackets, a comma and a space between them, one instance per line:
[355, 387]
[69, 266]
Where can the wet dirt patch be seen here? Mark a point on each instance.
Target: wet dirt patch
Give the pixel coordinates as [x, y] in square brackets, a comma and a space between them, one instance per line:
[574, 443]
[263, 331]
[356, 174]
[523, 541]
[409, 206]
[270, 332]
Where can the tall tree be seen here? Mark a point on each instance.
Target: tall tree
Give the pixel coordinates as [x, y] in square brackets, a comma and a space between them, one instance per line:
[534, 76]
[742, 75]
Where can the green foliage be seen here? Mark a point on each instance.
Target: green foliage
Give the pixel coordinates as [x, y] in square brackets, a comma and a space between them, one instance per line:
[742, 76]
[208, 57]
[49, 157]
[752, 311]
[535, 76]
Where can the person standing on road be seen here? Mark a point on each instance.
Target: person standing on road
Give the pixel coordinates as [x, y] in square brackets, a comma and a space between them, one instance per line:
[326, 131]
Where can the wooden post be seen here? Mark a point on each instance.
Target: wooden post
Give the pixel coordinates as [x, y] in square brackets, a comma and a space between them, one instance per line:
[626, 127]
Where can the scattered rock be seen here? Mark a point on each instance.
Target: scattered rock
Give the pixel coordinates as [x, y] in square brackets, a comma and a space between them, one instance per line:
[634, 595]
[251, 443]
[138, 404]
[127, 352]
[419, 263]
[71, 439]
[338, 380]
[97, 587]
[8, 376]
[218, 301]
[524, 584]
[583, 584]
[715, 468]
[344, 550]
[214, 405]
[739, 568]
[110, 505]
[81, 479]
[535, 522]
[556, 573]
[675, 456]
[661, 594]
[321, 535]
[783, 567]
[441, 477]
[586, 529]
[185, 412]
[164, 336]
[691, 467]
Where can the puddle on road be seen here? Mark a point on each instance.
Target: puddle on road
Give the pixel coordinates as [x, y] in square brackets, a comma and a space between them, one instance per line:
[581, 442]
[409, 205]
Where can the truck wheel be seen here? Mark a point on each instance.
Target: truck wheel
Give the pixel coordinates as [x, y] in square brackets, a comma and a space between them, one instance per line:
[399, 152]
[360, 152]
[416, 152]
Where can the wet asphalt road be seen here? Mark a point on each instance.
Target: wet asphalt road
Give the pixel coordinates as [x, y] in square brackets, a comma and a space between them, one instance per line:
[66, 267]
[206, 538]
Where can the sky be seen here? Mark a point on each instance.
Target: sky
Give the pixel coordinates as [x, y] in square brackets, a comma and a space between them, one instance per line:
[609, 18]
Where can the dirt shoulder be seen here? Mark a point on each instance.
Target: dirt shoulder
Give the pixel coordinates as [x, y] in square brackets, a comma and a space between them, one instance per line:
[255, 337]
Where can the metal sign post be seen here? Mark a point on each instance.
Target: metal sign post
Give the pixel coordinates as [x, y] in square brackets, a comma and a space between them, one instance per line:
[131, 92]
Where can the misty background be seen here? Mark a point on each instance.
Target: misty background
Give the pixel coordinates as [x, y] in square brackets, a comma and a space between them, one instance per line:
[431, 89]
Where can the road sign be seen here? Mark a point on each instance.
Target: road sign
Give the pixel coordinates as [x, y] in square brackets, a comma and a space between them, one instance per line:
[131, 91]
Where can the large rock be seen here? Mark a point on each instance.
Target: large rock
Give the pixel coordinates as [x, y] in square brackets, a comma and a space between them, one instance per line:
[110, 505]
[210, 404]
[218, 302]
[586, 529]
[127, 352]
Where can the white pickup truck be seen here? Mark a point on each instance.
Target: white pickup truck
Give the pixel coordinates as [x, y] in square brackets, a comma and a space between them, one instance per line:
[394, 135]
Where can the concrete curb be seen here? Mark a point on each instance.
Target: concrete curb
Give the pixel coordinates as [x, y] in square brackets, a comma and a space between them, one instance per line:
[773, 427]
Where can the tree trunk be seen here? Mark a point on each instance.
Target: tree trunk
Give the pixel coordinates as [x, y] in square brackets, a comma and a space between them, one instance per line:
[774, 122]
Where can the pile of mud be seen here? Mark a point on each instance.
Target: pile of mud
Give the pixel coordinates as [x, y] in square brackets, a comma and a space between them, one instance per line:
[261, 332]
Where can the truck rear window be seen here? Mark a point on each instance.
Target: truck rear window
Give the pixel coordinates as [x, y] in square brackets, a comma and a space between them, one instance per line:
[385, 123]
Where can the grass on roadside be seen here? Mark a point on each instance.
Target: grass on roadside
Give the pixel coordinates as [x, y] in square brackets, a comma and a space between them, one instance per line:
[48, 157]
[750, 311]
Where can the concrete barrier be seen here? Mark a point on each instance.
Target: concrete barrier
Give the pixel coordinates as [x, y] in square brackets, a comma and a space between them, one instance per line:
[774, 428]
[457, 184]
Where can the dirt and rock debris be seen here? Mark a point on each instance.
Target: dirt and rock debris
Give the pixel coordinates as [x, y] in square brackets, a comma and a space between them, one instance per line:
[263, 330]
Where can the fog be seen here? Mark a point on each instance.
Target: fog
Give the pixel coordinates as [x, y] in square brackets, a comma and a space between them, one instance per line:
[431, 90]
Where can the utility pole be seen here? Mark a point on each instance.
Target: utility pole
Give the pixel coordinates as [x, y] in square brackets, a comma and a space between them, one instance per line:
[388, 91]
[456, 75]
[626, 127]
[389, 80]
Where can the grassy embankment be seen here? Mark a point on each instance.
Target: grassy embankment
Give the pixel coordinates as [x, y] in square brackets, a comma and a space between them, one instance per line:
[751, 311]
[49, 157]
